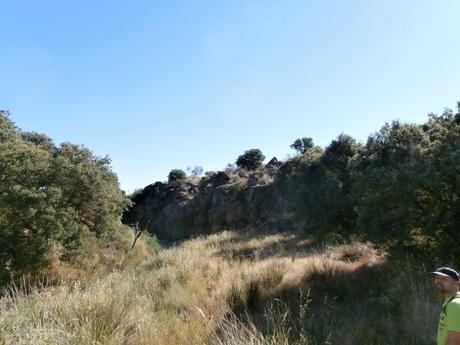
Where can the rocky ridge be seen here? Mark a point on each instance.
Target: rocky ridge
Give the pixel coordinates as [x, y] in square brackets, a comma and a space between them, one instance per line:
[217, 201]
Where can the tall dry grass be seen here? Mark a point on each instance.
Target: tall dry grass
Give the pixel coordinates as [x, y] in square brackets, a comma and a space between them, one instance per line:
[231, 289]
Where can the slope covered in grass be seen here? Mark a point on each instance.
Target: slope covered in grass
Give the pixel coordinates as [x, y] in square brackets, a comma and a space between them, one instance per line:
[233, 288]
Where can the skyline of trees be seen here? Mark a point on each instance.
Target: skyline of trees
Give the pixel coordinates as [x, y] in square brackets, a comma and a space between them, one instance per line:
[400, 189]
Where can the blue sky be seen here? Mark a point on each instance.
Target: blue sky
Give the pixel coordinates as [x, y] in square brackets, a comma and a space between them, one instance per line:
[158, 85]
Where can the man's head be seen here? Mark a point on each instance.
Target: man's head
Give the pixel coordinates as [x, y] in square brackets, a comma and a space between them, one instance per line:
[446, 280]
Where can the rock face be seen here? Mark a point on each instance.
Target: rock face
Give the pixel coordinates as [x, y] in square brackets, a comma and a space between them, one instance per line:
[219, 201]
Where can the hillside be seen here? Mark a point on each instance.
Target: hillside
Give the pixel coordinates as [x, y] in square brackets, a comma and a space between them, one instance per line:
[400, 190]
[233, 199]
[330, 246]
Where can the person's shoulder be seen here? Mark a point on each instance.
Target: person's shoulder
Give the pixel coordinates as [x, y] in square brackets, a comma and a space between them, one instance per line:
[453, 316]
[454, 305]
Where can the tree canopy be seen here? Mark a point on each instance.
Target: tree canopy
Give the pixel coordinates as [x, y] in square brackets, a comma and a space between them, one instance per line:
[400, 189]
[250, 159]
[177, 175]
[301, 145]
[50, 199]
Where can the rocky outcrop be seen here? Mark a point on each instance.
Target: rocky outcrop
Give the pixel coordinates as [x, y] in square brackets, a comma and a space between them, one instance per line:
[218, 201]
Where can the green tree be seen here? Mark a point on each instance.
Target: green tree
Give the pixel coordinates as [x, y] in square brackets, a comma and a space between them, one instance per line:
[7, 127]
[323, 189]
[31, 212]
[335, 161]
[440, 190]
[251, 159]
[301, 145]
[319, 182]
[38, 139]
[90, 187]
[177, 175]
[389, 177]
[51, 198]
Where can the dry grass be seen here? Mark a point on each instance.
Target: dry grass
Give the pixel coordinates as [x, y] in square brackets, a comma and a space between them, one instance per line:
[227, 288]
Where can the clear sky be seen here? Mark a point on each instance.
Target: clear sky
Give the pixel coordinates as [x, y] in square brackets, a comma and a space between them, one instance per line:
[158, 85]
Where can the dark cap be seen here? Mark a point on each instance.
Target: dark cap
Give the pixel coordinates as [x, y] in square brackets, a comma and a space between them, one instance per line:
[447, 272]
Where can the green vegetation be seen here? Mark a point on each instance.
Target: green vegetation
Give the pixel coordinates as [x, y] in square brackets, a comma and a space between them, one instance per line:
[400, 189]
[177, 176]
[301, 145]
[250, 159]
[55, 201]
[355, 228]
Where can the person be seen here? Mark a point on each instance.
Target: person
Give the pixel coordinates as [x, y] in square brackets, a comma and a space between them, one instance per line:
[447, 281]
